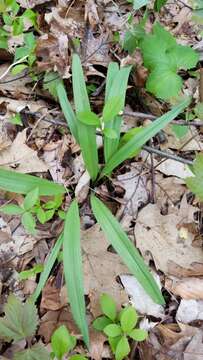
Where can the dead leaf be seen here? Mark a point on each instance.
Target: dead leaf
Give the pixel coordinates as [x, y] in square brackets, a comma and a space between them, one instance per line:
[188, 288]
[190, 310]
[140, 299]
[194, 350]
[174, 168]
[185, 143]
[21, 157]
[101, 267]
[170, 235]
[53, 298]
[91, 13]
[82, 187]
[97, 340]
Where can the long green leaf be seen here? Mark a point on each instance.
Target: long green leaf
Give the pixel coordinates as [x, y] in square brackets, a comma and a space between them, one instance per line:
[124, 247]
[116, 86]
[67, 110]
[23, 183]
[86, 133]
[47, 268]
[72, 261]
[139, 139]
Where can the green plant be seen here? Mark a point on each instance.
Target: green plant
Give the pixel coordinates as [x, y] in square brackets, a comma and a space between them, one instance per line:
[119, 327]
[137, 4]
[62, 343]
[83, 125]
[14, 25]
[32, 209]
[20, 323]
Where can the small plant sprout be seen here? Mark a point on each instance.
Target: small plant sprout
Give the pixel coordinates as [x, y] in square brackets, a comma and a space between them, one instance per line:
[119, 327]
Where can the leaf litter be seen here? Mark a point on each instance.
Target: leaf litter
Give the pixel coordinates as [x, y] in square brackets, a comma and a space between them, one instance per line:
[167, 232]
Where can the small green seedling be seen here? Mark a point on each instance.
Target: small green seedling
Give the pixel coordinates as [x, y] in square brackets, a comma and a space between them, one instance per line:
[63, 343]
[118, 327]
[33, 209]
[27, 274]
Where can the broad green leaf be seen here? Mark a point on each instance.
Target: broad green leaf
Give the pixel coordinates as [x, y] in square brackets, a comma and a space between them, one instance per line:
[20, 320]
[88, 118]
[125, 249]
[27, 274]
[113, 342]
[17, 26]
[112, 330]
[72, 261]
[67, 111]
[142, 137]
[199, 110]
[49, 214]
[16, 119]
[138, 334]
[62, 342]
[195, 183]
[179, 130]
[12, 209]
[29, 223]
[158, 4]
[47, 268]
[31, 199]
[116, 86]
[101, 322]
[36, 352]
[110, 133]
[23, 183]
[18, 69]
[164, 83]
[183, 57]
[122, 348]
[86, 133]
[50, 83]
[129, 135]
[137, 4]
[112, 108]
[41, 215]
[108, 306]
[128, 319]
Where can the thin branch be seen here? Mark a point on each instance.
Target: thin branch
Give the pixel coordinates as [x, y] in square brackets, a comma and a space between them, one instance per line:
[167, 155]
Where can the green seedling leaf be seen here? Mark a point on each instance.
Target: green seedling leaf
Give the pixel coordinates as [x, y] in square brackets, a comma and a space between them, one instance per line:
[41, 215]
[195, 182]
[36, 352]
[138, 140]
[29, 223]
[20, 320]
[138, 334]
[27, 274]
[16, 120]
[88, 118]
[108, 305]
[112, 330]
[17, 26]
[112, 108]
[23, 183]
[113, 342]
[127, 137]
[12, 209]
[158, 4]
[179, 130]
[30, 15]
[62, 342]
[31, 199]
[49, 214]
[122, 349]
[128, 319]
[199, 110]
[18, 69]
[77, 357]
[47, 268]
[72, 261]
[101, 322]
[124, 247]
[86, 133]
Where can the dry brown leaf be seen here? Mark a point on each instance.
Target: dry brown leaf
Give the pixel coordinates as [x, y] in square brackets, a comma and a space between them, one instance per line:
[190, 310]
[21, 157]
[194, 350]
[170, 235]
[189, 288]
[101, 267]
[91, 13]
[182, 144]
[97, 340]
[18, 89]
[174, 168]
[82, 187]
[53, 298]
[168, 189]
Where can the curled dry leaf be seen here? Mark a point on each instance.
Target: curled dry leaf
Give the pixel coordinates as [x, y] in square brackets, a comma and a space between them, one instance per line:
[21, 157]
[91, 13]
[187, 288]
[190, 142]
[171, 235]
[82, 187]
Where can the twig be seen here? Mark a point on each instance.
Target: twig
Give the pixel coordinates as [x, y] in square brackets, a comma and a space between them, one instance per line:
[167, 155]
[141, 115]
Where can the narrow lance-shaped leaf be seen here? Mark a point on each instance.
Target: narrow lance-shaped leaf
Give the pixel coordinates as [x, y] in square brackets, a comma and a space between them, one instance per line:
[116, 86]
[67, 110]
[72, 261]
[124, 247]
[47, 268]
[139, 139]
[86, 133]
[23, 183]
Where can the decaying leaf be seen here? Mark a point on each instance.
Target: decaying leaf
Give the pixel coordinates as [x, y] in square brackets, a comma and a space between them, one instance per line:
[187, 288]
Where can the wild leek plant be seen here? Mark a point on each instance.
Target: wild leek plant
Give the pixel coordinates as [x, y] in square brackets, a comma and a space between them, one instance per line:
[83, 124]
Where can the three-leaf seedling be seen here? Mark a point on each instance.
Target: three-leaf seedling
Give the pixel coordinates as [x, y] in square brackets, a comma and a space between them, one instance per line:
[119, 327]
